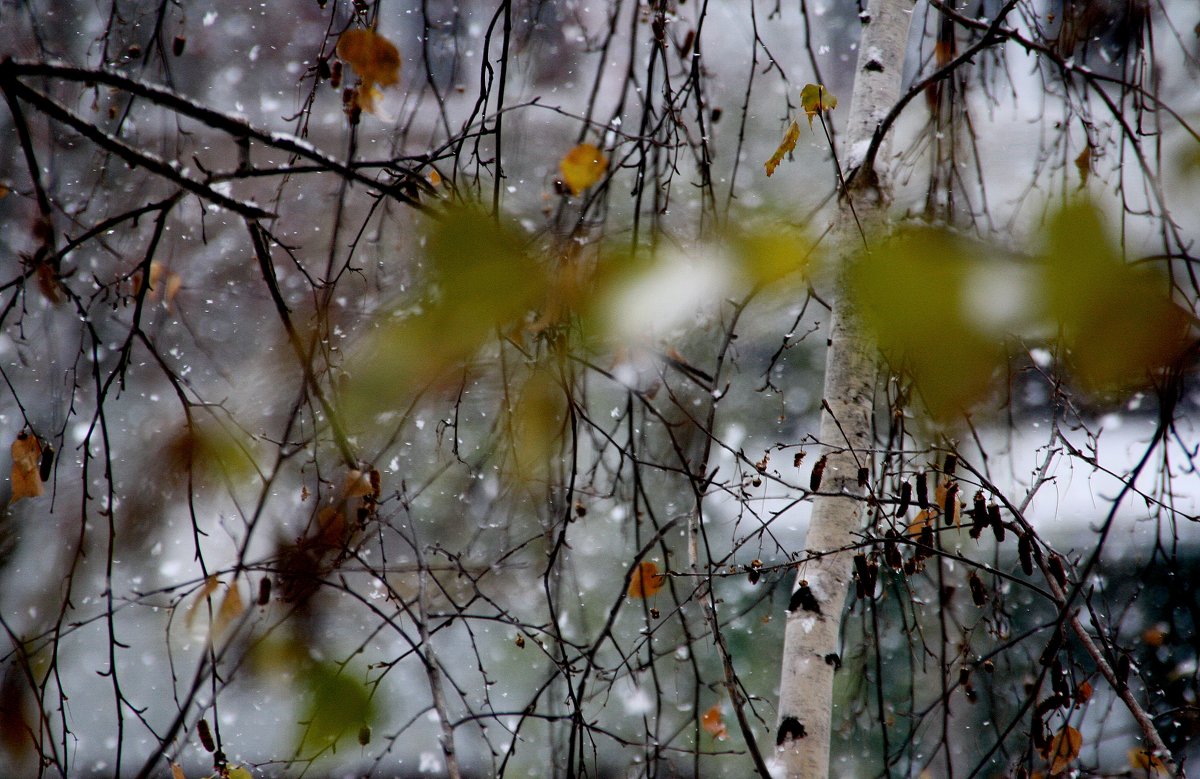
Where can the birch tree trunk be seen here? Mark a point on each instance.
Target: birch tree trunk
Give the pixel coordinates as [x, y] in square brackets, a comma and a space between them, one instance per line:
[811, 651]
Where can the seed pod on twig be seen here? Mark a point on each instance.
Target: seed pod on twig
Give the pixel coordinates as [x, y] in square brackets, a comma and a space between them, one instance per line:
[922, 490]
[1025, 553]
[1057, 570]
[905, 499]
[814, 480]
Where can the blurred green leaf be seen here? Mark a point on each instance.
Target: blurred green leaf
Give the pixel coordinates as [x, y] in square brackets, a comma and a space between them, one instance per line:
[479, 279]
[766, 256]
[537, 424]
[1117, 322]
[911, 295]
[336, 704]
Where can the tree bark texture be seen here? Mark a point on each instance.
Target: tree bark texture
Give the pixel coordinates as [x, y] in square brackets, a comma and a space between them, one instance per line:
[811, 651]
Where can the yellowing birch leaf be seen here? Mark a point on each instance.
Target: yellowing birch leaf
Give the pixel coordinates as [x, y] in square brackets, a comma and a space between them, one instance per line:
[26, 466]
[814, 99]
[785, 147]
[1064, 748]
[239, 772]
[714, 724]
[582, 167]
[177, 771]
[646, 580]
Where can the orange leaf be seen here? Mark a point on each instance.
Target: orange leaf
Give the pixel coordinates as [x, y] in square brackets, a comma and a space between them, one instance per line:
[1151, 764]
[26, 464]
[177, 771]
[331, 527]
[785, 147]
[1083, 693]
[714, 724]
[919, 522]
[374, 59]
[582, 167]
[1064, 748]
[646, 580]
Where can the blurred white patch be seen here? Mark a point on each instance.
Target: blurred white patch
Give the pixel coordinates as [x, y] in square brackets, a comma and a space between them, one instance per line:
[637, 702]
[998, 298]
[673, 295]
[431, 763]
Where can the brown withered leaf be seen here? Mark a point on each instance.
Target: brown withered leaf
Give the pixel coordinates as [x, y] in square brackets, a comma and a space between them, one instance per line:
[26, 467]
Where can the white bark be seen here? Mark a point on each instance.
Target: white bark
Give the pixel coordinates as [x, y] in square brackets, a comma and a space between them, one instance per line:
[811, 651]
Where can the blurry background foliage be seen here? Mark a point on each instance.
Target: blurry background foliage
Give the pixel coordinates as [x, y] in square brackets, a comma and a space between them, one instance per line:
[953, 314]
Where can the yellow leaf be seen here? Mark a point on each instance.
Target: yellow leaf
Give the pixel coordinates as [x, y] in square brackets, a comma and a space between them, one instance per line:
[26, 464]
[374, 59]
[1143, 761]
[714, 724]
[173, 283]
[231, 608]
[1064, 748]
[582, 167]
[939, 493]
[815, 98]
[646, 580]
[785, 147]
[238, 772]
[210, 586]
[177, 771]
